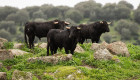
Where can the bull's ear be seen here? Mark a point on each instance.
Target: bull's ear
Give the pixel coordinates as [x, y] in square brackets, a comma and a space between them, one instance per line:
[55, 22]
[101, 22]
[108, 22]
[67, 27]
[67, 23]
[78, 28]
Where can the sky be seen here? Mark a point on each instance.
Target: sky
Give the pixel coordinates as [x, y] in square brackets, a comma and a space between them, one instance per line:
[24, 3]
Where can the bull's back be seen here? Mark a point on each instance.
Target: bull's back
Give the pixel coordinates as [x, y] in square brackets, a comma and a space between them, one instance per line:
[86, 31]
[57, 36]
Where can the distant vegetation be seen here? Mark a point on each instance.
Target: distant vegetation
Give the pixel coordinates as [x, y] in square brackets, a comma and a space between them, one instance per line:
[125, 19]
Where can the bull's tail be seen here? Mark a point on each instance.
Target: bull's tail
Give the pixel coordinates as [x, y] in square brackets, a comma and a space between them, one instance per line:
[25, 37]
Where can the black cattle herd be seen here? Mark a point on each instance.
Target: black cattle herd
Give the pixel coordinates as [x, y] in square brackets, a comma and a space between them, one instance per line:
[59, 35]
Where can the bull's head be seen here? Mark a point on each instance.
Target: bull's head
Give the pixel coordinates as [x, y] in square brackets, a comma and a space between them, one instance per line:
[60, 24]
[104, 26]
[73, 31]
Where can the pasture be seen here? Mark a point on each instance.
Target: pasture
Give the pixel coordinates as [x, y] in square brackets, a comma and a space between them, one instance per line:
[127, 69]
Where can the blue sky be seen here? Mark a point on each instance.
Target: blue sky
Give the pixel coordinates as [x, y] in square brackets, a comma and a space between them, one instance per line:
[24, 3]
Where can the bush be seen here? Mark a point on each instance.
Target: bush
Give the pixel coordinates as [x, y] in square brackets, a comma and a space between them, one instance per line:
[74, 15]
[8, 45]
[5, 34]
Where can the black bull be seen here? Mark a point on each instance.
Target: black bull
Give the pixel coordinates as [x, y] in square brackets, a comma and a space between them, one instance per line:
[93, 31]
[40, 29]
[63, 38]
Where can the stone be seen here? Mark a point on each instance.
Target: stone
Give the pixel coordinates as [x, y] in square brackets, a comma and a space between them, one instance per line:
[3, 76]
[2, 41]
[9, 54]
[18, 45]
[115, 48]
[79, 49]
[52, 59]
[96, 46]
[5, 54]
[21, 75]
[41, 45]
[1, 65]
[103, 54]
[69, 73]
[118, 48]
[17, 52]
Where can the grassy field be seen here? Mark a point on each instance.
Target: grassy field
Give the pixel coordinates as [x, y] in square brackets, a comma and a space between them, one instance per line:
[127, 69]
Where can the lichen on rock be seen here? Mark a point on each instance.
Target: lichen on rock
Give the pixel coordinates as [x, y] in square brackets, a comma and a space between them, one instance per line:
[69, 73]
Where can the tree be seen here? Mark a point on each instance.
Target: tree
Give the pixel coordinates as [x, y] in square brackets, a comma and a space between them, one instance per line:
[63, 10]
[124, 33]
[122, 12]
[137, 15]
[74, 15]
[5, 34]
[87, 7]
[20, 17]
[5, 11]
[50, 11]
[108, 11]
[20, 37]
[107, 38]
[126, 4]
[39, 14]
[127, 29]
[31, 10]
[8, 26]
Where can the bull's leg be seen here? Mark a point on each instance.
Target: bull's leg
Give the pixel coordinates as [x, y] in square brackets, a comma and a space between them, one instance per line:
[73, 48]
[72, 51]
[55, 50]
[31, 40]
[52, 50]
[95, 40]
[48, 49]
[82, 40]
[67, 51]
[33, 37]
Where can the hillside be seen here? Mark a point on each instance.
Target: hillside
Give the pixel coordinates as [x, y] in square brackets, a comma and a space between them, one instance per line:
[82, 66]
[125, 19]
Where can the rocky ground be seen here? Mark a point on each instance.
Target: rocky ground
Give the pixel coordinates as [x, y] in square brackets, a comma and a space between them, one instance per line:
[90, 61]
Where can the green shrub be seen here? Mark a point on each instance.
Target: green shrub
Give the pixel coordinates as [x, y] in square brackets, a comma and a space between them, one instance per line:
[8, 45]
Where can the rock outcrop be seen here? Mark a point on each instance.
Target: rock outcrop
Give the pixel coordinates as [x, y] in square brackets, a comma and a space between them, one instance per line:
[79, 49]
[69, 73]
[52, 59]
[2, 41]
[104, 54]
[18, 45]
[9, 54]
[118, 48]
[3, 76]
[41, 45]
[115, 48]
[21, 75]
[1, 65]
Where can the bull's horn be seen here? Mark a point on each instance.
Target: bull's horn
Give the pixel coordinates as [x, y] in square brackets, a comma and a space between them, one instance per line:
[78, 28]
[101, 21]
[108, 22]
[67, 23]
[55, 22]
[67, 27]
